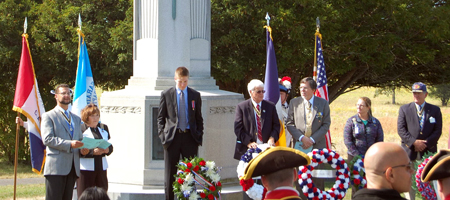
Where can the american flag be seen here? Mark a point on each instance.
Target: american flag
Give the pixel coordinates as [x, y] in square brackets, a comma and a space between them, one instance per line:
[322, 84]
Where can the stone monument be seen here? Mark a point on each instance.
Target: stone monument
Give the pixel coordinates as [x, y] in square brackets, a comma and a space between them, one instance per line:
[167, 34]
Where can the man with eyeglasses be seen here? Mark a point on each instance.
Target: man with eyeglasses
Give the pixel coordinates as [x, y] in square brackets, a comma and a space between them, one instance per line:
[308, 121]
[419, 125]
[388, 172]
[61, 133]
[256, 121]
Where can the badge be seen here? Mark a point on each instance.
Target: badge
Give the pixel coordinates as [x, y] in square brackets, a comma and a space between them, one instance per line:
[432, 120]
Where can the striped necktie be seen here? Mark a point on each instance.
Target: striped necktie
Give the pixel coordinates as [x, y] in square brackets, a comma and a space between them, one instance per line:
[258, 121]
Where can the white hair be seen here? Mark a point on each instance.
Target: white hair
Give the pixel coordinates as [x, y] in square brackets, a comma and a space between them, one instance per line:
[253, 84]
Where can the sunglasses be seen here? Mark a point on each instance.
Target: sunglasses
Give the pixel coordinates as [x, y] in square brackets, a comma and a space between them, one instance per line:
[260, 91]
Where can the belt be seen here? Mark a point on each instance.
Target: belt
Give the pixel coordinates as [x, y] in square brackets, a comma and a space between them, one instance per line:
[181, 131]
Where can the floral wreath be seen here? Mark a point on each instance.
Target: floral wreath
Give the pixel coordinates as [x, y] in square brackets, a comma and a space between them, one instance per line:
[193, 172]
[358, 177]
[253, 190]
[339, 188]
[424, 188]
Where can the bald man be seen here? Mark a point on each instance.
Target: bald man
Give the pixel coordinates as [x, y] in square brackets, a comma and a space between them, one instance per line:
[388, 172]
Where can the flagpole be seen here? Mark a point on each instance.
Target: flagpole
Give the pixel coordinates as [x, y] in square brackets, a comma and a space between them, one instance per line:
[315, 49]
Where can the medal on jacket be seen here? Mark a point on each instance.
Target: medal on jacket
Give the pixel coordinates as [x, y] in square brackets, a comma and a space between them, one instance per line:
[67, 118]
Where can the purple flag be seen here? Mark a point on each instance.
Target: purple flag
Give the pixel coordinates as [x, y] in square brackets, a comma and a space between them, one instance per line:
[271, 80]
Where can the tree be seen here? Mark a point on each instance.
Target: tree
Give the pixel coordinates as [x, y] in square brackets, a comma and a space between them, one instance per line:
[442, 92]
[366, 43]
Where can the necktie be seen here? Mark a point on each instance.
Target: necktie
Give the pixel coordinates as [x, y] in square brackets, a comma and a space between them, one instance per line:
[258, 122]
[309, 119]
[420, 115]
[182, 113]
[69, 123]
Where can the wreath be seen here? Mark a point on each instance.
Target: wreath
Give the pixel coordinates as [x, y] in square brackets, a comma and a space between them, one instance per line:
[358, 177]
[341, 185]
[197, 172]
[424, 188]
[253, 190]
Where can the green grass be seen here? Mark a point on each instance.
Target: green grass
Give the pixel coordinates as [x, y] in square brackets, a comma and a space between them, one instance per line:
[32, 191]
[23, 171]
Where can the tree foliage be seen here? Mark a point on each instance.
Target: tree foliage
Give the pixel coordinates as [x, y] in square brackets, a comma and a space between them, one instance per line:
[365, 43]
[442, 92]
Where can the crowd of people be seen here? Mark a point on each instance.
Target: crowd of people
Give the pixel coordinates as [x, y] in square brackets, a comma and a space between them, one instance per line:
[306, 120]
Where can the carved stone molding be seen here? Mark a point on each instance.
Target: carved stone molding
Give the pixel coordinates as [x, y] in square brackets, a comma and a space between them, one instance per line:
[222, 110]
[121, 109]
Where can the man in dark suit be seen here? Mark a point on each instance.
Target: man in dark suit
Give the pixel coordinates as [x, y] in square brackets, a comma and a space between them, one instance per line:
[309, 120]
[419, 124]
[256, 120]
[61, 132]
[180, 125]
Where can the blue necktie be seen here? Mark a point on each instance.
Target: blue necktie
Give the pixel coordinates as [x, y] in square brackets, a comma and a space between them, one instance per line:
[421, 118]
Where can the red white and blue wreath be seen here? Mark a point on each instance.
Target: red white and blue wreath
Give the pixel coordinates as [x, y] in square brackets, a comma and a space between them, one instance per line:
[197, 172]
[424, 188]
[341, 185]
[253, 190]
[358, 178]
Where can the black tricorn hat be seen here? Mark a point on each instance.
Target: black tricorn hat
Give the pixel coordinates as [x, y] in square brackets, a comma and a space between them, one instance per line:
[274, 159]
[438, 167]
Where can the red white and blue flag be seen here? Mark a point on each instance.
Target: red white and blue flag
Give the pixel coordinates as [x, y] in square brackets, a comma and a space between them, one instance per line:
[322, 84]
[27, 101]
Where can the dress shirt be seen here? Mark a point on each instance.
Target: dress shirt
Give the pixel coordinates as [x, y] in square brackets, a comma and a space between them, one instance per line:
[186, 103]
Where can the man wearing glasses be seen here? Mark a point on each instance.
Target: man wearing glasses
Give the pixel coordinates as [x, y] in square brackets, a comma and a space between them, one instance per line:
[388, 172]
[61, 133]
[256, 120]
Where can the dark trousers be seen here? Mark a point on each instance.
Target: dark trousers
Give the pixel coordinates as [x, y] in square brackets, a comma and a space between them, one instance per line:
[59, 187]
[183, 144]
[90, 179]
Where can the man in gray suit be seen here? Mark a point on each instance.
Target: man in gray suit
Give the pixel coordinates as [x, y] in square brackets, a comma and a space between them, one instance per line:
[309, 119]
[61, 133]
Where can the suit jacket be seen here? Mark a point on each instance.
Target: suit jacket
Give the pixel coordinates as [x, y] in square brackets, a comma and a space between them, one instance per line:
[245, 125]
[168, 116]
[57, 138]
[408, 127]
[296, 121]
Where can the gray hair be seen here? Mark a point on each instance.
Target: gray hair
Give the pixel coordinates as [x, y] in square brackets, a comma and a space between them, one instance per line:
[253, 84]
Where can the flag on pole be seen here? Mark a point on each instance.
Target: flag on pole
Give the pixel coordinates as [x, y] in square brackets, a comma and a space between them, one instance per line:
[322, 84]
[271, 83]
[84, 83]
[27, 101]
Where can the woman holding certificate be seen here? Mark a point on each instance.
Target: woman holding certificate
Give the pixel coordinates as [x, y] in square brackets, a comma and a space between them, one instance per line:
[362, 130]
[93, 162]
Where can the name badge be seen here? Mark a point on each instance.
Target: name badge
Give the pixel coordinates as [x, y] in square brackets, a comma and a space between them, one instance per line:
[432, 120]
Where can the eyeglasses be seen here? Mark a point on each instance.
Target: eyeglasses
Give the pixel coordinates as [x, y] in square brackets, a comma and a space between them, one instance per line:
[260, 91]
[409, 166]
[65, 93]
[360, 105]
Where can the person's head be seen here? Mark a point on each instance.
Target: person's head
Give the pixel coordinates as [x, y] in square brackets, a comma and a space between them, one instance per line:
[388, 167]
[438, 168]
[285, 88]
[63, 95]
[276, 166]
[419, 91]
[90, 115]
[364, 106]
[94, 193]
[256, 90]
[181, 77]
[307, 87]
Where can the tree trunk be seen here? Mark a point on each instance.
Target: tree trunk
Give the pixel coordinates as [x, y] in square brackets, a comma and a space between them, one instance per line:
[393, 96]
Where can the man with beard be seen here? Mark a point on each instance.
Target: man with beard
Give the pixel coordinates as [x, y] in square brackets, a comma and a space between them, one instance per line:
[61, 133]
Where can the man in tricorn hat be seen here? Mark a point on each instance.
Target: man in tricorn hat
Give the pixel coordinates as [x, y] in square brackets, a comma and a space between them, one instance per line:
[438, 168]
[278, 168]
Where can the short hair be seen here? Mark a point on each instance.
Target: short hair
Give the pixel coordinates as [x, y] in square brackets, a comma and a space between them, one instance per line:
[253, 84]
[62, 85]
[181, 72]
[88, 111]
[280, 176]
[94, 193]
[311, 82]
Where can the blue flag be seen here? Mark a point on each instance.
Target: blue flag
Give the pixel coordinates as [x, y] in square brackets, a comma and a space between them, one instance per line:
[84, 83]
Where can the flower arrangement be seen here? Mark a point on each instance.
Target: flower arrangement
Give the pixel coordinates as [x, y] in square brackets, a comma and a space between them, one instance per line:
[341, 185]
[358, 178]
[197, 172]
[424, 188]
[253, 190]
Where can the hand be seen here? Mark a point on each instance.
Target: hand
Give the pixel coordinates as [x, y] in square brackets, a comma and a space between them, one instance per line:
[106, 150]
[98, 152]
[76, 144]
[271, 141]
[19, 121]
[307, 142]
[84, 151]
[252, 145]
[420, 145]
